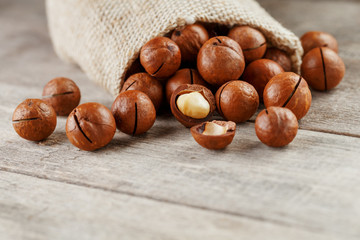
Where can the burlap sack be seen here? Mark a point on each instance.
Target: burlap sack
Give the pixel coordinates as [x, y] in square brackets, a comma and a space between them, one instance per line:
[104, 37]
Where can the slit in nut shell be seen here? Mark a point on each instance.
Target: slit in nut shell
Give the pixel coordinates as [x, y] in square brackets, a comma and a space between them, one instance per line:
[214, 135]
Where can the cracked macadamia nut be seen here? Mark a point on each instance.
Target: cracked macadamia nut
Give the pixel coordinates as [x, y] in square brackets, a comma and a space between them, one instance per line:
[288, 90]
[220, 60]
[314, 39]
[251, 41]
[322, 68]
[62, 94]
[237, 101]
[192, 104]
[90, 126]
[276, 126]
[259, 72]
[190, 38]
[34, 120]
[183, 76]
[143, 82]
[279, 56]
[134, 112]
[160, 57]
[214, 135]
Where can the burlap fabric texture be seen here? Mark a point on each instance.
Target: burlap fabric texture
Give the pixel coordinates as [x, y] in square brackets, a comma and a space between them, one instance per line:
[104, 37]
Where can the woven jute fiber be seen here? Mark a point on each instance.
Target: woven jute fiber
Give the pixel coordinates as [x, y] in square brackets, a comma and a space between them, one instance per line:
[104, 37]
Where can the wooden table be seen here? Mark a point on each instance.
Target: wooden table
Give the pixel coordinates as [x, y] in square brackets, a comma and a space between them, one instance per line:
[162, 185]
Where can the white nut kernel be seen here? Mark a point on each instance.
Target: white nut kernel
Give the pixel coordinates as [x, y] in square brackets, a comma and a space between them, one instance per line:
[214, 129]
[193, 105]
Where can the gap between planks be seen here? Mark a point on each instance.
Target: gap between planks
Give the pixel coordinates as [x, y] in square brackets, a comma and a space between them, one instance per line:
[141, 196]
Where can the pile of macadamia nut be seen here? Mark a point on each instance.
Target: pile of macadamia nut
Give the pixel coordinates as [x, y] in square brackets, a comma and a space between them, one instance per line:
[196, 70]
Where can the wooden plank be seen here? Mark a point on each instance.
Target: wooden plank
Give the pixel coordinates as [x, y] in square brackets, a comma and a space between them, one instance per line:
[311, 184]
[32, 208]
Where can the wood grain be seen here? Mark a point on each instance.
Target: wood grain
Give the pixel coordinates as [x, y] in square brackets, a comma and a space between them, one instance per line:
[306, 190]
[73, 212]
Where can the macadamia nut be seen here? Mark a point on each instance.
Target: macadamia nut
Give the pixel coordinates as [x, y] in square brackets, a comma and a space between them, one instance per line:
[193, 105]
[213, 129]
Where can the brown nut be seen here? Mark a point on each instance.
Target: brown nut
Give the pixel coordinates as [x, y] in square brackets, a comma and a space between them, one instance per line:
[316, 39]
[160, 57]
[34, 119]
[276, 126]
[251, 41]
[190, 38]
[237, 101]
[134, 112]
[143, 82]
[192, 104]
[62, 94]
[183, 76]
[214, 135]
[279, 56]
[322, 68]
[288, 90]
[90, 126]
[220, 60]
[259, 72]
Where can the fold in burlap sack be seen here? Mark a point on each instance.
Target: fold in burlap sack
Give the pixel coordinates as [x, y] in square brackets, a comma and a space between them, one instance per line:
[104, 37]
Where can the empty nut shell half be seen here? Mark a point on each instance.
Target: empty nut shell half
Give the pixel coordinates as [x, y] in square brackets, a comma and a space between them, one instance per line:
[214, 135]
[197, 104]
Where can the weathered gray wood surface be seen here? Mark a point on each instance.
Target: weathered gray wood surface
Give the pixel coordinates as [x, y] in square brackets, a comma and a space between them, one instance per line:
[162, 185]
